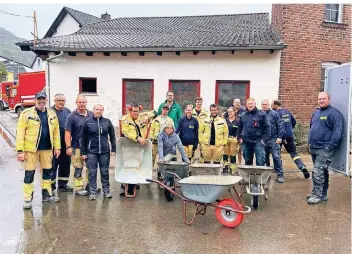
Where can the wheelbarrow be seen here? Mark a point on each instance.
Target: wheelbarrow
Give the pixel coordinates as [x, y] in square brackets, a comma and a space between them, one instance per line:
[133, 165]
[171, 172]
[206, 191]
[254, 180]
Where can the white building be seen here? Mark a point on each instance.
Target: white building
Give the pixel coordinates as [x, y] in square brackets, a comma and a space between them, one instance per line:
[126, 60]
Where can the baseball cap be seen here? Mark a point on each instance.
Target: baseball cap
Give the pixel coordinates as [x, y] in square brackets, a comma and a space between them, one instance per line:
[165, 106]
[40, 95]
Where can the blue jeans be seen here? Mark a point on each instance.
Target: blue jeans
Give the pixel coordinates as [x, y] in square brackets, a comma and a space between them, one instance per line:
[249, 149]
[320, 176]
[275, 149]
[103, 160]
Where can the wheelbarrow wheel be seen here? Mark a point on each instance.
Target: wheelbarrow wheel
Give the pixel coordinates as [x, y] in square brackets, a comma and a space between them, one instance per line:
[255, 198]
[168, 195]
[228, 218]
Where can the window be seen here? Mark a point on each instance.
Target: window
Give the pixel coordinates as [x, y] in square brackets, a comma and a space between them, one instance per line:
[185, 91]
[333, 13]
[88, 85]
[324, 66]
[140, 91]
[227, 91]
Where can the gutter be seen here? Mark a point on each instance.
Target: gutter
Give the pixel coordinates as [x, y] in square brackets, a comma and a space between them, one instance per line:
[48, 72]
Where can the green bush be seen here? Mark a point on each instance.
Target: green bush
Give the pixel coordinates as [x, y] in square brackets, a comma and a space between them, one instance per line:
[301, 134]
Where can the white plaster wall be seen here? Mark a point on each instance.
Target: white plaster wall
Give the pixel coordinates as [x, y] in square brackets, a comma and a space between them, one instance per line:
[261, 68]
[67, 26]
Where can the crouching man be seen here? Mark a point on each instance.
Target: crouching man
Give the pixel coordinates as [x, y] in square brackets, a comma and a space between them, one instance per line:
[95, 149]
[37, 134]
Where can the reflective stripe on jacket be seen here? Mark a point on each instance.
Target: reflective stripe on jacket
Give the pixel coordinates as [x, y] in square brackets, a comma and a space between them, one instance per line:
[221, 131]
[29, 130]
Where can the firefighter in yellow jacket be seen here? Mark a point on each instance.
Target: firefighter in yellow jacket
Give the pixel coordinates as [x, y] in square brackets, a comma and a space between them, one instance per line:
[38, 134]
[134, 126]
[157, 126]
[200, 114]
[213, 136]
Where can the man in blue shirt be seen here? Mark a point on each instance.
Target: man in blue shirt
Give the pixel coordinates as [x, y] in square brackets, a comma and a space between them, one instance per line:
[289, 123]
[73, 133]
[61, 165]
[276, 135]
[253, 133]
[326, 128]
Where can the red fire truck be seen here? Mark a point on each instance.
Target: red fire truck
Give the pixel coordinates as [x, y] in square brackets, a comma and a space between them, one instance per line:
[19, 95]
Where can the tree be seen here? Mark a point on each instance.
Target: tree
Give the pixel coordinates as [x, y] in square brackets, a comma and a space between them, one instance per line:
[3, 72]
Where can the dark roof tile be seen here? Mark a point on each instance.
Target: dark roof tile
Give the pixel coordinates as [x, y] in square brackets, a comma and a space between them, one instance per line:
[167, 33]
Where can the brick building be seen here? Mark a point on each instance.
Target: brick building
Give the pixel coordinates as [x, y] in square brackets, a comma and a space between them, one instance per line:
[317, 36]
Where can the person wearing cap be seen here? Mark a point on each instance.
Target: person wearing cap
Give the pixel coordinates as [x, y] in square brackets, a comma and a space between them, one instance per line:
[73, 134]
[37, 135]
[158, 124]
[168, 140]
[61, 165]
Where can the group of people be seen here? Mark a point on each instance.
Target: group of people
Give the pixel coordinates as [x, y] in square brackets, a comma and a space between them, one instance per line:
[56, 138]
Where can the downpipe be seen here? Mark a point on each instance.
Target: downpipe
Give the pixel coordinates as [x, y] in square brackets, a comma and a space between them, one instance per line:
[48, 73]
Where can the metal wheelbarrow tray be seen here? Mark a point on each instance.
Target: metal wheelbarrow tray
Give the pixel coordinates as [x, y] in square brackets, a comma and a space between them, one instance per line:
[179, 168]
[206, 191]
[133, 163]
[205, 169]
[254, 178]
[172, 171]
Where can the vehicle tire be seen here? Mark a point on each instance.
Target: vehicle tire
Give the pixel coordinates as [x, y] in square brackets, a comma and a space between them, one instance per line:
[228, 218]
[2, 106]
[255, 198]
[168, 195]
[19, 110]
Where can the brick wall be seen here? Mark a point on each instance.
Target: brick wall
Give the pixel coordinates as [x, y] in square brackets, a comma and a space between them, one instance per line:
[310, 41]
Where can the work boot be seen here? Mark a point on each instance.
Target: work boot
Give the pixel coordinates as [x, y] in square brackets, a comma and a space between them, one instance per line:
[324, 198]
[305, 172]
[107, 195]
[27, 204]
[51, 199]
[314, 200]
[66, 189]
[92, 196]
[280, 179]
[160, 177]
[81, 192]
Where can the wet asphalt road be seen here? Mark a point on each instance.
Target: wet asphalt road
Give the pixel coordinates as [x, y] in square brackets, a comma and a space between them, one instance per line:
[150, 224]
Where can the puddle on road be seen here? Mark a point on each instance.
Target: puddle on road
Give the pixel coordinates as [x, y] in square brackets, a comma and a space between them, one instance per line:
[6, 137]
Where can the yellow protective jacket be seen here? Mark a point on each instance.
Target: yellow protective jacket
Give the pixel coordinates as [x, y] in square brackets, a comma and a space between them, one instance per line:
[29, 130]
[129, 127]
[201, 117]
[221, 131]
[156, 127]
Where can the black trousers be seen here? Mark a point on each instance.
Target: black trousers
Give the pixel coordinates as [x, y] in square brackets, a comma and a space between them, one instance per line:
[61, 167]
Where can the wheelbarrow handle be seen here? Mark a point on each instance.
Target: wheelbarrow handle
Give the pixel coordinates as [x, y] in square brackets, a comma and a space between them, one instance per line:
[150, 180]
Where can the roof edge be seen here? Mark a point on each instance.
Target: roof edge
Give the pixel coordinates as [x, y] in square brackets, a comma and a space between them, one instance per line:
[163, 49]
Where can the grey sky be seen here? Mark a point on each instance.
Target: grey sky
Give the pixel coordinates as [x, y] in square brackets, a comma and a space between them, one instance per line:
[46, 14]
